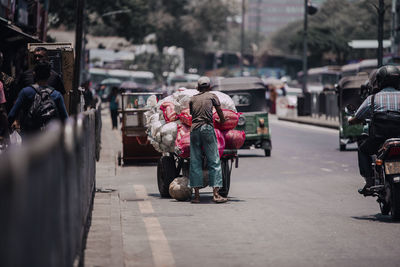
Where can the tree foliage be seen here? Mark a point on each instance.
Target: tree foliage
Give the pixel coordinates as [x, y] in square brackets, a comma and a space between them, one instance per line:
[183, 23]
[336, 23]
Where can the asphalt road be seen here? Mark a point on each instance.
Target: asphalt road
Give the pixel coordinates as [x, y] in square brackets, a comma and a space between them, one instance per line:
[300, 207]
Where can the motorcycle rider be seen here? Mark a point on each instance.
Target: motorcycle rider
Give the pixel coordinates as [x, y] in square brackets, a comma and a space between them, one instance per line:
[386, 99]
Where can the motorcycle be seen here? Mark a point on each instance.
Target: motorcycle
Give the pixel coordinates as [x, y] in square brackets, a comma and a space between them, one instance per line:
[386, 167]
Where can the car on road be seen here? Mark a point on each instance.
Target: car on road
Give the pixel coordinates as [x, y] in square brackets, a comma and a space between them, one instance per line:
[248, 94]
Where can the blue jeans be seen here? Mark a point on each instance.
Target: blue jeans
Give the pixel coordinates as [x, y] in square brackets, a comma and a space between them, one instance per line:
[204, 137]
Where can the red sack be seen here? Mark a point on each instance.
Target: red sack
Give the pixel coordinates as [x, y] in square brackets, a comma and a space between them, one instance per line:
[168, 110]
[234, 139]
[185, 117]
[231, 120]
[220, 141]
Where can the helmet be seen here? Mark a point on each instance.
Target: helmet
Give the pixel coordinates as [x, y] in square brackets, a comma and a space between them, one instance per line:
[388, 76]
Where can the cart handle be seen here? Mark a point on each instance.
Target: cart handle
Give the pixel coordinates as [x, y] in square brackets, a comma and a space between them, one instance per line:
[140, 142]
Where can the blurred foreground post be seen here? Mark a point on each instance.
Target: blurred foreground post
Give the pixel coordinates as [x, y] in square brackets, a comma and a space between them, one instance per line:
[242, 38]
[78, 55]
[305, 48]
[381, 17]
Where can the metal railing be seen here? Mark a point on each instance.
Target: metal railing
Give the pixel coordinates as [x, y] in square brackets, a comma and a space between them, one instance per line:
[319, 105]
[47, 188]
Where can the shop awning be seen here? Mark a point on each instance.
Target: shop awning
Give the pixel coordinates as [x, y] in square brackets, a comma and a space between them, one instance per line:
[9, 33]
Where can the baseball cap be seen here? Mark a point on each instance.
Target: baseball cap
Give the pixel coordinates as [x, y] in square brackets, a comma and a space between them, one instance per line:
[203, 82]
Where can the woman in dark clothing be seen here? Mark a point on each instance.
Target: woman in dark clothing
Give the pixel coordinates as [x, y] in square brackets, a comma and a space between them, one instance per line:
[114, 107]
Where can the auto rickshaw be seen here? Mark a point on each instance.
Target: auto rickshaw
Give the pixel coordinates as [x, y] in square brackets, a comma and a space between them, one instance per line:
[135, 145]
[248, 94]
[349, 91]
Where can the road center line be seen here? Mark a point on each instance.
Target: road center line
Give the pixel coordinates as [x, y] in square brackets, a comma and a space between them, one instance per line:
[161, 251]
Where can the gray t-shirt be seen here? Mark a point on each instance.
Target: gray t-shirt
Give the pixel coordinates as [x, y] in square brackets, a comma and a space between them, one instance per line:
[201, 109]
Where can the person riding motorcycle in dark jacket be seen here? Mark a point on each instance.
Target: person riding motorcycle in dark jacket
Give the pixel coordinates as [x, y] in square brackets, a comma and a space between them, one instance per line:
[387, 99]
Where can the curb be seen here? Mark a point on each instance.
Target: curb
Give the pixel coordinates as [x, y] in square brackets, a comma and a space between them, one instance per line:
[309, 122]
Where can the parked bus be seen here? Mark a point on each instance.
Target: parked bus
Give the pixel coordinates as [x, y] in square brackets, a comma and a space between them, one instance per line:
[144, 79]
[321, 79]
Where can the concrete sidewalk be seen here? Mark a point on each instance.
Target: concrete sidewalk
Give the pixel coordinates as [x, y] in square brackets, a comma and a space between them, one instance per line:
[316, 121]
[104, 245]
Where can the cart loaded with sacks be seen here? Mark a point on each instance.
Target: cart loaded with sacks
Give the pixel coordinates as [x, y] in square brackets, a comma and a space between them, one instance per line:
[168, 124]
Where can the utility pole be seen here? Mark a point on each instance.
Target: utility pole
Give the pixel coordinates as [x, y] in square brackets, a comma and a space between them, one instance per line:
[381, 17]
[305, 48]
[258, 26]
[242, 39]
[78, 56]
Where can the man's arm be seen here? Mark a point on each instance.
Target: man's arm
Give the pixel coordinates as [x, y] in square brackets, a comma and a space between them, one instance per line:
[362, 113]
[220, 114]
[61, 107]
[354, 120]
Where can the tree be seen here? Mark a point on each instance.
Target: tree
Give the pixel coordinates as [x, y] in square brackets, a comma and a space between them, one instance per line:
[336, 23]
[183, 23]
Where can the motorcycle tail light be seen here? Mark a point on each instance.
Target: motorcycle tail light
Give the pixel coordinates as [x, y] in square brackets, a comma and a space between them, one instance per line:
[379, 162]
[394, 151]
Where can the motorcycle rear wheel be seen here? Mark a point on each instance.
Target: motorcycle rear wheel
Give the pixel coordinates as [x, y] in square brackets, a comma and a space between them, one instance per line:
[395, 198]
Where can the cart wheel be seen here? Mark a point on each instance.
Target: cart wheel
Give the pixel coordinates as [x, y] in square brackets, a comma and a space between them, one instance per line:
[166, 172]
[119, 158]
[226, 178]
[342, 147]
[267, 152]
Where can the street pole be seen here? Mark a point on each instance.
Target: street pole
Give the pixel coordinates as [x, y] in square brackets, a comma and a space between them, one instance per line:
[78, 56]
[381, 16]
[258, 23]
[242, 39]
[304, 85]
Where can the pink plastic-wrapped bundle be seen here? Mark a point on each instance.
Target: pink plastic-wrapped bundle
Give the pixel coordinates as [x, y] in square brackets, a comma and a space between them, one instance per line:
[168, 110]
[182, 130]
[221, 142]
[234, 139]
[185, 117]
[182, 142]
[231, 120]
[183, 145]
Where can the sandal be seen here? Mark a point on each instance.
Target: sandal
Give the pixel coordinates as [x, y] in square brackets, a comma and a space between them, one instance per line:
[219, 199]
[195, 200]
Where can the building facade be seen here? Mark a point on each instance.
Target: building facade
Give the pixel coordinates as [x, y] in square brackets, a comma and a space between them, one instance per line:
[265, 17]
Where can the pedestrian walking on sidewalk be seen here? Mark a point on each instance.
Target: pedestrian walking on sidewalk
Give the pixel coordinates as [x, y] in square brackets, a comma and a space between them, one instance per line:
[39, 102]
[202, 138]
[114, 107]
[40, 54]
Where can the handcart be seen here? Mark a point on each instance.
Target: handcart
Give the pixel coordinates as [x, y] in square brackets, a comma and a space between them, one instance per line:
[135, 145]
[171, 166]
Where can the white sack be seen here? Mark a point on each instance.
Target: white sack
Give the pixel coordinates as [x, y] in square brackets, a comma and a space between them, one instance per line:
[225, 100]
[179, 189]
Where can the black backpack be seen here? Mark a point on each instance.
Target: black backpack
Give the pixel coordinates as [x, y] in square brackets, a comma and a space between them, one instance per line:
[42, 110]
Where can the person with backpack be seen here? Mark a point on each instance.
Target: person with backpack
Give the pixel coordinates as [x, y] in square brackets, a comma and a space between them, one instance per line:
[39, 102]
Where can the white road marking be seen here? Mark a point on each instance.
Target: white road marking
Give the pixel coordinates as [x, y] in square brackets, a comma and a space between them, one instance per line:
[162, 255]
[160, 249]
[326, 170]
